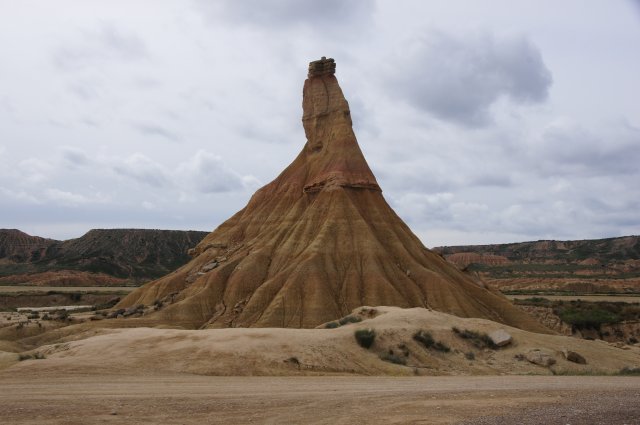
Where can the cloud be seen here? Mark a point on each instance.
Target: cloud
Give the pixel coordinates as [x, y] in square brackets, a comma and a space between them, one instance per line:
[108, 43]
[74, 157]
[144, 170]
[207, 173]
[565, 148]
[35, 170]
[67, 198]
[458, 78]
[156, 130]
[280, 14]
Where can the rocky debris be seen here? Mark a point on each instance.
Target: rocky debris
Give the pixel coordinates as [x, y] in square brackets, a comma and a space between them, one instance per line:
[208, 267]
[500, 338]
[131, 311]
[113, 301]
[127, 312]
[539, 357]
[574, 357]
[193, 277]
[547, 317]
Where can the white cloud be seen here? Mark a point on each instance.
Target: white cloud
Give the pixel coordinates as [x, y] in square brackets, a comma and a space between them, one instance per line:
[209, 174]
[107, 44]
[35, 171]
[144, 170]
[63, 197]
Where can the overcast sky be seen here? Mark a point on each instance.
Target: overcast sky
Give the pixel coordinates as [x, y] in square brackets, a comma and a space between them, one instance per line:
[484, 122]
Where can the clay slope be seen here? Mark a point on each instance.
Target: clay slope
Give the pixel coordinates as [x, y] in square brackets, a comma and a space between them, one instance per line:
[315, 243]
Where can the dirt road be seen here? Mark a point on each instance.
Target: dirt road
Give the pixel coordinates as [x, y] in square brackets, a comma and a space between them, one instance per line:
[190, 399]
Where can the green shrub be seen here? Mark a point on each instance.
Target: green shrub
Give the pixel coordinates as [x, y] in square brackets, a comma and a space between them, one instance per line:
[427, 340]
[332, 325]
[365, 337]
[349, 319]
[393, 358]
[587, 318]
[478, 339]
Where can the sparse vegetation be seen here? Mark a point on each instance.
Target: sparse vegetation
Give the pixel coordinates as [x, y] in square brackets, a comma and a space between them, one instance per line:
[425, 338]
[343, 321]
[587, 318]
[365, 337]
[393, 358]
[349, 319]
[470, 355]
[478, 339]
[36, 356]
[630, 371]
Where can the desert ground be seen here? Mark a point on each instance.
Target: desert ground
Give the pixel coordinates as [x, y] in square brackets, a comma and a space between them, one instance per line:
[191, 399]
[103, 372]
[119, 371]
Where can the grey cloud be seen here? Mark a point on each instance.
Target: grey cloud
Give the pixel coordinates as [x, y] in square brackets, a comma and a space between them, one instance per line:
[105, 44]
[574, 150]
[279, 14]
[458, 78]
[74, 157]
[156, 130]
[209, 174]
[497, 180]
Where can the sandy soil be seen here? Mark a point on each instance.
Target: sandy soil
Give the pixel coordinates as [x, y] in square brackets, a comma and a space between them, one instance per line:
[189, 399]
[92, 347]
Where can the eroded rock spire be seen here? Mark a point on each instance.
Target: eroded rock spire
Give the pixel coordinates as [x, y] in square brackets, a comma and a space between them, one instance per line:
[315, 243]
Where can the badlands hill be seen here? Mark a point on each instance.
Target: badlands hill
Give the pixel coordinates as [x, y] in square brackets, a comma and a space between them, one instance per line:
[394, 350]
[101, 257]
[315, 243]
[583, 266]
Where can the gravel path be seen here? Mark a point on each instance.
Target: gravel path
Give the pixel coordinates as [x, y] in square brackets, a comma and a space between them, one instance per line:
[191, 399]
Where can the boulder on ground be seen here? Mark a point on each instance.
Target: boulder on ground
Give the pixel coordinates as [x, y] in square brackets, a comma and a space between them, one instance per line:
[574, 357]
[539, 357]
[500, 337]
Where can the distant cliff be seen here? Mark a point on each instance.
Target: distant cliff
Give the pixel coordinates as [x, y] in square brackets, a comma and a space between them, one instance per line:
[599, 265]
[101, 256]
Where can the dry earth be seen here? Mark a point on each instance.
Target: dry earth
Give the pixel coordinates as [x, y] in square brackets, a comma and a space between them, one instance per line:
[104, 347]
[93, 374]
[189, 399]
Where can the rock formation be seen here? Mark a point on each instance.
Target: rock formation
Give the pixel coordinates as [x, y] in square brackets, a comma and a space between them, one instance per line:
[315, 243]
